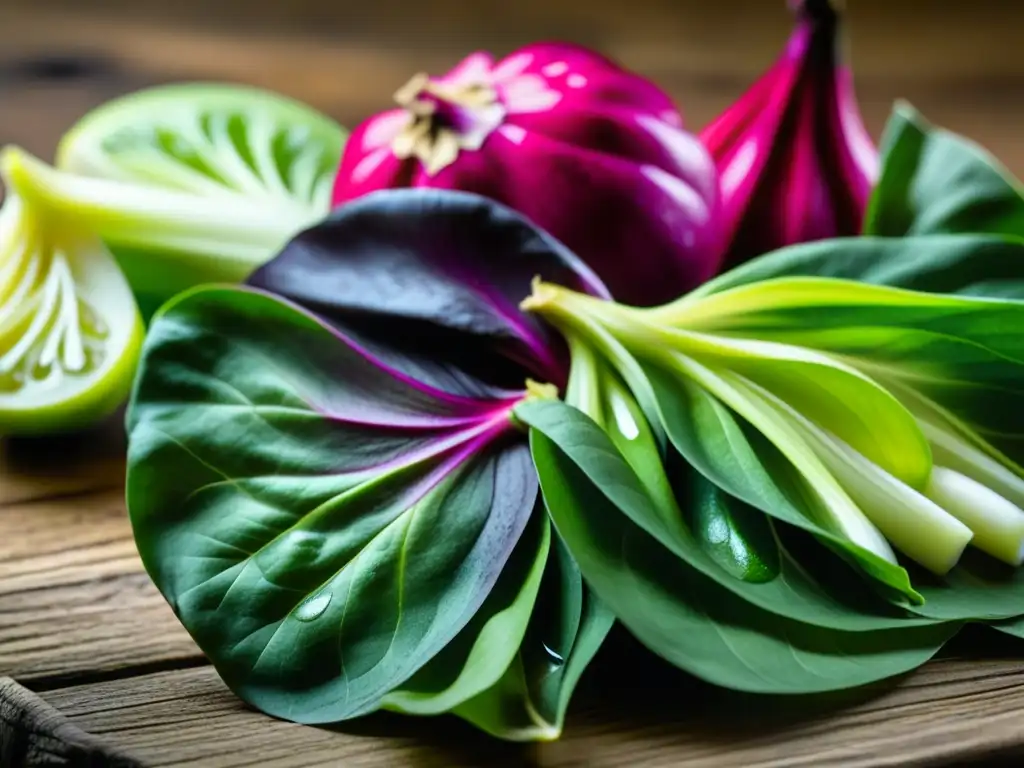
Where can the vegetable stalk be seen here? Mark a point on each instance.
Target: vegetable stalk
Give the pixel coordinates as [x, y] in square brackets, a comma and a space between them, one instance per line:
[881, 476]
[232, 234]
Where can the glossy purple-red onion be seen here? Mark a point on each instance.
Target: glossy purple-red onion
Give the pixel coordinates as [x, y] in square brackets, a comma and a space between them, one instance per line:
[590, 152]
[795, 161]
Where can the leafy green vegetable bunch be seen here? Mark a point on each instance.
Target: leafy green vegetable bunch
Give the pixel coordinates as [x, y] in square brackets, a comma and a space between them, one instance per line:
[411, 455]
[422, 461]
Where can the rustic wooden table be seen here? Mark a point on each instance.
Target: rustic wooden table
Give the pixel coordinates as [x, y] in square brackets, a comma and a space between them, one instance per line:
[100, 663]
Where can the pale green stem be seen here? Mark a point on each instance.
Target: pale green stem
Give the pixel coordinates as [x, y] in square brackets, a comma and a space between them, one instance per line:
[570, 312]
[228, 227]
[632, 329]
[951, 450]
[599, 393]
[587, 315]
[915, 524]
[844, 516]
[866, 504]
[582, 390]
[998, 524]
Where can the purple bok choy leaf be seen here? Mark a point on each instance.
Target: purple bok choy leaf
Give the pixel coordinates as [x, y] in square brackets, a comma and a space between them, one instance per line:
[322, 524]
[437, 272]
[795, 161]
[341, 513]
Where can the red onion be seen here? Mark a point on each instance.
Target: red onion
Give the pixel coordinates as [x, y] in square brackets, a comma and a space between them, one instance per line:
[590, 152]
[795, 161]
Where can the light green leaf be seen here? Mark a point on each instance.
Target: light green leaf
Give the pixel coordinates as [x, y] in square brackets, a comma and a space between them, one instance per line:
[503, 709]
[836, 396]
[568, 626]
[566, 631]
[193, 183]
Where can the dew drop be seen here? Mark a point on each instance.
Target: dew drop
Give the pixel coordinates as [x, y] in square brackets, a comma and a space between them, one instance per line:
[314, 607]
[553, 656]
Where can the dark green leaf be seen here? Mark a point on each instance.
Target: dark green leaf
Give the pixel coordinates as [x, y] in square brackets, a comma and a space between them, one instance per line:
[793, 591]
[1014, 628]
[980, 588]
[934, 181]
[737, 536]
[690, 619]
[479, 655]
[322, 525]
[733, 457]
[568, 626]
[979, 265]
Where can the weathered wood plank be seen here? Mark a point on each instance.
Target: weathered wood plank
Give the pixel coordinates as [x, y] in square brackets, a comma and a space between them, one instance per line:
[74, 600]
[667, 726]
[209, 726]
[101, 627]
[74, 540]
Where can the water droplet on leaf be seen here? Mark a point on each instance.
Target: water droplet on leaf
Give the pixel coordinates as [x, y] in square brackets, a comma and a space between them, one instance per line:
[314, 607]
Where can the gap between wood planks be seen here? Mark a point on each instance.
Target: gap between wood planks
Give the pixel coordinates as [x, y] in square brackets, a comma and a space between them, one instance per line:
[75, 602]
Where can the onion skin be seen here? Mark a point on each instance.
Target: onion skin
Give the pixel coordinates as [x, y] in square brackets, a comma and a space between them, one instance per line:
[795, 161]
[588, 151]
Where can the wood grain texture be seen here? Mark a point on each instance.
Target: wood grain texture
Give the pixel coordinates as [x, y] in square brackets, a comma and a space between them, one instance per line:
[906, 726]
[81, 623]
[74, 600]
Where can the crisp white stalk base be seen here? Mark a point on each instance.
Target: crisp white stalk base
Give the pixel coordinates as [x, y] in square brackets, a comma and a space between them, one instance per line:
[951, 450]
[998, 524]
[913, 523]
